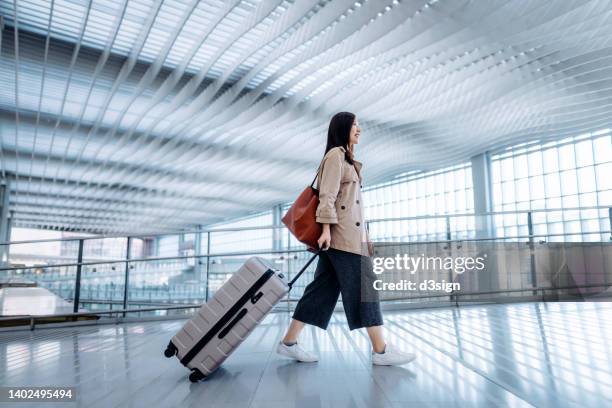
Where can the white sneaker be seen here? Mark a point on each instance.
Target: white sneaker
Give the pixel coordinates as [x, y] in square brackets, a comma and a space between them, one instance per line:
[296, 352]
[391, 357]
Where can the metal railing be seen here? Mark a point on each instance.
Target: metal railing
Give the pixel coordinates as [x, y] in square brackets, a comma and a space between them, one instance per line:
[204, 289]
[370, 222]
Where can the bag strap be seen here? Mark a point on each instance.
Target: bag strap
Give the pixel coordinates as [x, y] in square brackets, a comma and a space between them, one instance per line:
[316, 175]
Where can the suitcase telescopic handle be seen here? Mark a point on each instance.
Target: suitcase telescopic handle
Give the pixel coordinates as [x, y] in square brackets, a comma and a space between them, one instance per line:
[304, 268]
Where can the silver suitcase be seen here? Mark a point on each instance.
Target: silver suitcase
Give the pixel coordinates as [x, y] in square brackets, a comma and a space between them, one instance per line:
[222, 323]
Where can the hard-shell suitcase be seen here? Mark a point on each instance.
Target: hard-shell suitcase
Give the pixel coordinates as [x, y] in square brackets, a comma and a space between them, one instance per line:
[222, 323]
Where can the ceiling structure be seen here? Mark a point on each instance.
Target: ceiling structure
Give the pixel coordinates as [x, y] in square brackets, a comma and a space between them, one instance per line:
[138, 116]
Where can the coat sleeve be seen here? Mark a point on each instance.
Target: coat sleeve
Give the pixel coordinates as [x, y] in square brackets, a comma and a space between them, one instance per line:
[329, 185]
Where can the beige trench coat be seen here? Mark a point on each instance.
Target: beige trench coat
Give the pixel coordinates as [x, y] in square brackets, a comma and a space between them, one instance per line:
[340, 202]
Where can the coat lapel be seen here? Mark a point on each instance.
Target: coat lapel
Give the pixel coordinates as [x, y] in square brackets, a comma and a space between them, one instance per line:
[358, 166]
[356, 163]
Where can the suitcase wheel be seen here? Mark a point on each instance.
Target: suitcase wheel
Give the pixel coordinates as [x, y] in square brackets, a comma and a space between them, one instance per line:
[170, 350]
[196, 375]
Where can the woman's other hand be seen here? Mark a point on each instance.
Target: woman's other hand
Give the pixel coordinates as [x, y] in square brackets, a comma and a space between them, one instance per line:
[324, 240]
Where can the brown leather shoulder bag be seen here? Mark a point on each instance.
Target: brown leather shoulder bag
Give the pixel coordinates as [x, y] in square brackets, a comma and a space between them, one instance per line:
[301, 217]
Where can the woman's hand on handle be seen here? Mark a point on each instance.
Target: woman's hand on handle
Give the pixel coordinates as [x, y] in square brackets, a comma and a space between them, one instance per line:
[324, 240]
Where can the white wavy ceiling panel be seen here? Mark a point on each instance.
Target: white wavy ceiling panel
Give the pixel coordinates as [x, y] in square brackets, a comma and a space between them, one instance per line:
[134, 116]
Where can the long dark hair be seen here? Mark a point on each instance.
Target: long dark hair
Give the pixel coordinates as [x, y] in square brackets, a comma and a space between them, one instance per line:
[339, 133]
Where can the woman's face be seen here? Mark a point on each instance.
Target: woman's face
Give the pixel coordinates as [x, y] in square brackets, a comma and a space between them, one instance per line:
[355, 133]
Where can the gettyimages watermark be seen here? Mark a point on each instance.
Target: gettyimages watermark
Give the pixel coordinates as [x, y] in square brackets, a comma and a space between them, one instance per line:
[418, 265]
[412, 265]
[472, 270]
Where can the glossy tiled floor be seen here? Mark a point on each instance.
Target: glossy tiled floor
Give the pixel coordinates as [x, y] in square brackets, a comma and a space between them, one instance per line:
[546, 355]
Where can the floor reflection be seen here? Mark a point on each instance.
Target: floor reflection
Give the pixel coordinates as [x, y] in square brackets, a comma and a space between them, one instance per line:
[528, 354]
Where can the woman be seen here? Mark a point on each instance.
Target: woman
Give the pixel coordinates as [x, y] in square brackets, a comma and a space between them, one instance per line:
[344, 237]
